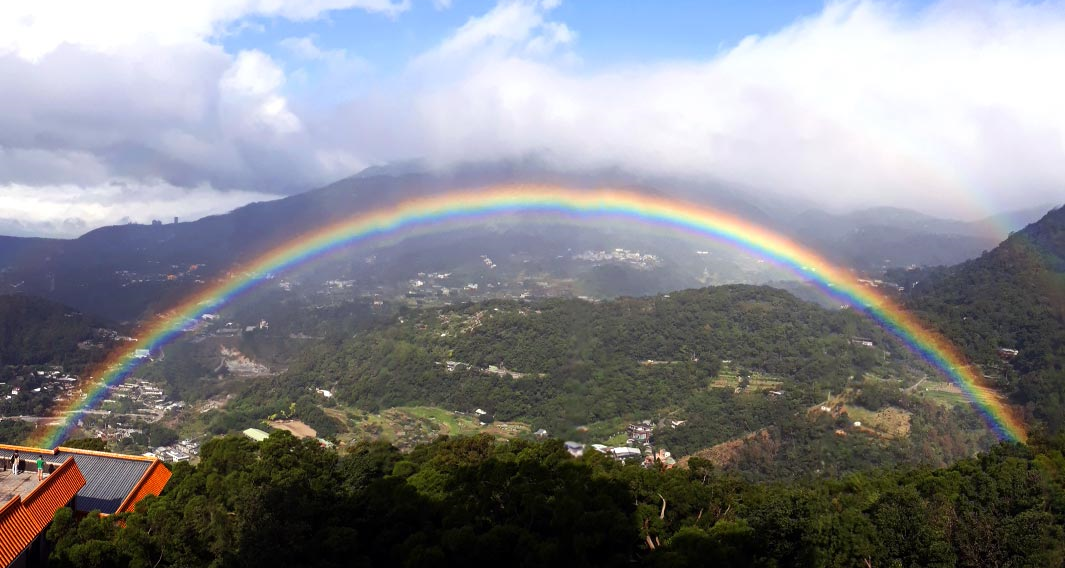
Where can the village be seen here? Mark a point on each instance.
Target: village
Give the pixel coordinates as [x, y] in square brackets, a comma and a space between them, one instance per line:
[639, 445]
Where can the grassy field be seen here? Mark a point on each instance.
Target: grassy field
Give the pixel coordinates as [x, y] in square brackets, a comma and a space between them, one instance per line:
[729, 378]
[941, 393]
[408, 426]
[889, 422]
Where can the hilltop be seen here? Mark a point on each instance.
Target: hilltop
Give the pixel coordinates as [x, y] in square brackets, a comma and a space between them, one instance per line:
[1010, 298]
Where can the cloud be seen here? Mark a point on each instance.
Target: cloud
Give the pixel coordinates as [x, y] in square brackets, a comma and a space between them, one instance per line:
[954, 110]
[303, 47]
[33, 29]
[250, 87]
[950, 109]
[510, 25]
[69, 210]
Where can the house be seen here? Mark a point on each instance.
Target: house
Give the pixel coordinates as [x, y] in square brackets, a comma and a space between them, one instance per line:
[141, 353]
[625, 453]
[83, 480]
[540, 434]
[640, 433]
[1006, 354]
[575, 449]
[863, 341]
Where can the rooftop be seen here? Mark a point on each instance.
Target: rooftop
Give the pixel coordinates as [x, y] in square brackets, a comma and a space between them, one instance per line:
[109, 478]
[26, 515]
[12, 485]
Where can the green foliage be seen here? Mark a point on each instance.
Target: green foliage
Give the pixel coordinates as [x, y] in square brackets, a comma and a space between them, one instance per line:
[35, 331]
[476, 501]
[14, 431]
[875, 395]
[94, 444]
[575, 363]
[160, 435]
[1011, 297]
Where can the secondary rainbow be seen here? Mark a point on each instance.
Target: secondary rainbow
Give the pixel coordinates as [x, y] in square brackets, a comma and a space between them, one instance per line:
[455, 208]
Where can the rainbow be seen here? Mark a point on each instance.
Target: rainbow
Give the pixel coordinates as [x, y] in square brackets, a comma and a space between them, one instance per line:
[473, 206]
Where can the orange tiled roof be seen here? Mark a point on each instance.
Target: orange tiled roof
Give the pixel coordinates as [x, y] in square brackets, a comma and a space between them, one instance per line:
[67, 450]
[17, 530]
[54, 492]
[27, 449]
[151, 483]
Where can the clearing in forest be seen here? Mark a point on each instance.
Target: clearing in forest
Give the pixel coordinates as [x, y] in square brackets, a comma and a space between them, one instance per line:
[298, 429]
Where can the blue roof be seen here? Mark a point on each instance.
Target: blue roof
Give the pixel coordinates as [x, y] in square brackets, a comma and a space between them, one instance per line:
[108, 480]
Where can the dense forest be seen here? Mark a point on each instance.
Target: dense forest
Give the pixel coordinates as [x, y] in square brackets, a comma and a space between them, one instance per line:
[572, 361]
[475, 501]
[35, 331]
[1011, 297]
[580, 369]
[38, 336]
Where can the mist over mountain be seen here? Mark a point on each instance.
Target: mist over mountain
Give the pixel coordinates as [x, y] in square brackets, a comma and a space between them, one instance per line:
[142, 261]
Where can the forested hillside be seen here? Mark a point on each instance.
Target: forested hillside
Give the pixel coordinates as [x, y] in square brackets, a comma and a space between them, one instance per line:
[476, 502]
[35, 331]
[721, 363]
[1013, 297]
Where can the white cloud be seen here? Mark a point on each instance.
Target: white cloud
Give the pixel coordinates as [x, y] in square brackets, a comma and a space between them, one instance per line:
[69, 210]
[512, 25]
[250, 92]
[253, 73]
[33, 29]
[862, 104]
[303, 47]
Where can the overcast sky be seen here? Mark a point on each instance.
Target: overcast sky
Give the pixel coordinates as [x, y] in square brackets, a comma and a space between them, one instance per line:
[132, 110]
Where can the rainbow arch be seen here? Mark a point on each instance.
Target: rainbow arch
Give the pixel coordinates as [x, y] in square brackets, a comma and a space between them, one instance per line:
[444, 210]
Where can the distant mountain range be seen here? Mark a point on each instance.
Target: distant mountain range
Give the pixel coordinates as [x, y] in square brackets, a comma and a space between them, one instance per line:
[93, 272]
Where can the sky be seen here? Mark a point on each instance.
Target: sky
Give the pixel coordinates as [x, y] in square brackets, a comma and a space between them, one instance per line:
[124, 110]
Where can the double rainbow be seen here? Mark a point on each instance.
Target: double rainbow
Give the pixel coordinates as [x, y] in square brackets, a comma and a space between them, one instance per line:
[442, 211]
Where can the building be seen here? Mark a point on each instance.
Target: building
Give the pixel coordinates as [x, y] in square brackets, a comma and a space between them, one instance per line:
[575, 449]
[1006, 353]
[640, 433]
[83, 480]
[863, 341]
[256, 434]
[622, 453]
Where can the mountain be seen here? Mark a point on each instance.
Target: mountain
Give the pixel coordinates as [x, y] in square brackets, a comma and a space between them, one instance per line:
[1012, 297]
[126, 272]
[888, 237]
[36, 331]
[721, 363]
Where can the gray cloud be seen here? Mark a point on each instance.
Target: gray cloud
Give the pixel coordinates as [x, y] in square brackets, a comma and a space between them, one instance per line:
[953, 111]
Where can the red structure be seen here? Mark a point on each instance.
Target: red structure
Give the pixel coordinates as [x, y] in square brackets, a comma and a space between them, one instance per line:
[83, 480]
